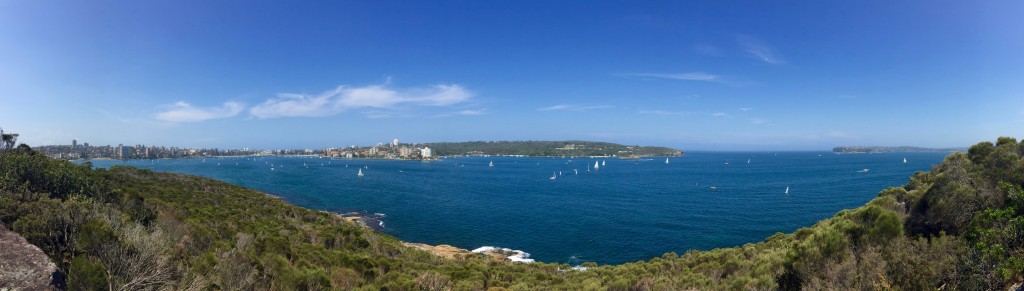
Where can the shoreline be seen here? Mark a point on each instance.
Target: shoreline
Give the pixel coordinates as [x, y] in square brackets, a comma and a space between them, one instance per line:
[373, 222]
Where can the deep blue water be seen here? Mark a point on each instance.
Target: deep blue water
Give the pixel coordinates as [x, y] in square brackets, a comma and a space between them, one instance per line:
[627, 211]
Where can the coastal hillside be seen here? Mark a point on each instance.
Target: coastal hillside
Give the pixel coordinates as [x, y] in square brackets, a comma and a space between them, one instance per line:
[549, 149]
[958, 226]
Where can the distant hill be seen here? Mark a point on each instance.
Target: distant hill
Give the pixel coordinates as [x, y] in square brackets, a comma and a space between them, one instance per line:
[549, 149]
[902, 149]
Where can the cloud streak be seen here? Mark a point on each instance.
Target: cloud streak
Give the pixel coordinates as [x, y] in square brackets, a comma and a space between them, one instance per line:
[708, 50]
[571, 107]
[661, 112]
[690, 76]
[182, 111]
[471, 112]
[466, 112]
[372, 97]
[758, 50]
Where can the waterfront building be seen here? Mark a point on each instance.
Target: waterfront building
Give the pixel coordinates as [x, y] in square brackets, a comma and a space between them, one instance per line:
[425, 152]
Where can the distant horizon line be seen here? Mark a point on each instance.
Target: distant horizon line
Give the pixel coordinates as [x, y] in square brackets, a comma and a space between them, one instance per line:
[565, 140]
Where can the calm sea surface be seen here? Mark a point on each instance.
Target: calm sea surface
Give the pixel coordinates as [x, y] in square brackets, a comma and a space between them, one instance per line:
[628, 210]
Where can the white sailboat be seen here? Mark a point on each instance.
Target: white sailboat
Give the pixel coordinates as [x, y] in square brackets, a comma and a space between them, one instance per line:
[904, 160]
[553, 176]
[787, 190]
[748, 161]
[596, 166]
[491, 164]
[602, 163]
[666, 161]
[360, 173]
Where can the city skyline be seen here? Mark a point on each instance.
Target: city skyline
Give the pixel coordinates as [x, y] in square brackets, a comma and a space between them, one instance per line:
[692, 76]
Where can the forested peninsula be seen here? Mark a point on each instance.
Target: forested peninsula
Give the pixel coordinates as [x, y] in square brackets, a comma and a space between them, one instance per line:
[881, 149]
[958, 226]
[549, 149]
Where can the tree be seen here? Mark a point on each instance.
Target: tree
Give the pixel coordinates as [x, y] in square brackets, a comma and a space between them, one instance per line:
[9, 139]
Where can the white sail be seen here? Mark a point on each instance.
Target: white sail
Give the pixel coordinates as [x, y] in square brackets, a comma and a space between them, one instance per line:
[360, 173]
[491, 164]
[748, 161]
[787, 189]
[904, 160]
[666, 161]
[596, 166]
[553, 176]
[602, 163]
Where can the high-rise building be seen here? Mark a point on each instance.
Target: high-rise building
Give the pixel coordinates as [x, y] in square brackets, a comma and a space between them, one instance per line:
[74, 143]
[425, 152]
[394, 142]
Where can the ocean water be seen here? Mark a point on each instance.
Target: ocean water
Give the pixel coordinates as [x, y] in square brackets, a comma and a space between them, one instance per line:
[626, 211]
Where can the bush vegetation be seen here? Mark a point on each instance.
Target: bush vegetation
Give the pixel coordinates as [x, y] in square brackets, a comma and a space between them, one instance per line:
[958, 226]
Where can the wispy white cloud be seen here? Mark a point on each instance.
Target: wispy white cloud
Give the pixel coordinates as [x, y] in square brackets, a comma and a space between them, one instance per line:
[184, 112]
[466, 112]
[661, 112]
[377, 114]
[708, 50]
[690, 76]
[758, 121]
[759, 50]
[373, 97]
[746, 109]
[572, 107]
[471, 112]
[719, 114]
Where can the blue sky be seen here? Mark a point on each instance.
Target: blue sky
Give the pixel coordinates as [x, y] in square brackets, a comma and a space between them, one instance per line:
[725, 75]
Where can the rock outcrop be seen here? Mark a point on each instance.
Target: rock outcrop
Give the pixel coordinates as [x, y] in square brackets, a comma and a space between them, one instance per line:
[24, 266]
[446, 251]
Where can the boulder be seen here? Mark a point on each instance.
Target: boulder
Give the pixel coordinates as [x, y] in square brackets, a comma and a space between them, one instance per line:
[24, 266]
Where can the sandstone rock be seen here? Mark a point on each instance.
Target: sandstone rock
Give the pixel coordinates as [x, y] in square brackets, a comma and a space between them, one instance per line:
[24, 266]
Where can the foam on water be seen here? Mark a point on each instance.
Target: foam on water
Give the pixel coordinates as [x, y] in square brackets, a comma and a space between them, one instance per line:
[517, 255]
